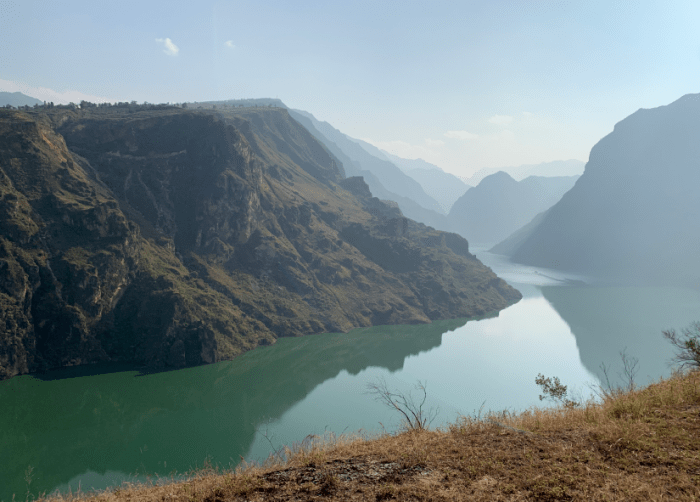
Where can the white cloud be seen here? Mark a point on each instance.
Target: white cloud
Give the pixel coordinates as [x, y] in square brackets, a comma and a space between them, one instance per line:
[461, 135]
[501, 119]
[168, 46]
[229, 44]
[528, 114]
[434, 143]
[49, 95]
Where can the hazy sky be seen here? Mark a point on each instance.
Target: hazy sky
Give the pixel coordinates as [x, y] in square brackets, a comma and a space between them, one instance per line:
[462, 84]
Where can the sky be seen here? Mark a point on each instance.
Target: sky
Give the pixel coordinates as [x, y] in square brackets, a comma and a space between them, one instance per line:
[464, 85]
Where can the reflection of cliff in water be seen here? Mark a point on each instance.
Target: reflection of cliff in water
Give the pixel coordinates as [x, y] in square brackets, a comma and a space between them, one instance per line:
[120, 421]
[607, 320]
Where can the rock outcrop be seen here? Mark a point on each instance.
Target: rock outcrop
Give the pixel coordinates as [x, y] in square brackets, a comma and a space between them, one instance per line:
[171, 237]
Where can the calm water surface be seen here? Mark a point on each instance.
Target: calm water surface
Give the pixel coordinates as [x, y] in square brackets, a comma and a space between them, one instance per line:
[95, 427]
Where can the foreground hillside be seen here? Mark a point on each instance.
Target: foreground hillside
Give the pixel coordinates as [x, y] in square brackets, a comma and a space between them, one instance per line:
[639, 445]
[171, 237]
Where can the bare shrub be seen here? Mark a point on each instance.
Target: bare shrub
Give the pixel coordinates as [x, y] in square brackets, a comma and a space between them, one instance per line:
[687, 344]
[415, 417]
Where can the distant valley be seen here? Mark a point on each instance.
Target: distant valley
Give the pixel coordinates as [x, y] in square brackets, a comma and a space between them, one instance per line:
[444, 187]
[499, 205]
[570, 167]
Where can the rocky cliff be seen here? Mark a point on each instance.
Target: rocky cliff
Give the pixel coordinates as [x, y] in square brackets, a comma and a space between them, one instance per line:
[171, 237]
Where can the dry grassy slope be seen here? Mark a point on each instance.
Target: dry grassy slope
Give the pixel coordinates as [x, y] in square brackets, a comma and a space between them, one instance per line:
[640, 445]
[170, 237]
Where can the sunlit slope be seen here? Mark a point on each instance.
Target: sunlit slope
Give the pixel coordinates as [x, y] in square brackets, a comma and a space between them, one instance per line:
[171, 237]
[634, 212]
[387, 180]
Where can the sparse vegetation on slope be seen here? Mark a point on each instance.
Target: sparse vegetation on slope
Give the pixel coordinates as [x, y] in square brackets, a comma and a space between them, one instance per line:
[170, 237]
[636, 445]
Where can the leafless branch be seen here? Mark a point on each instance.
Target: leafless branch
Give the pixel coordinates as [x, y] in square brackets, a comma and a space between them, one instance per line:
[413, 412]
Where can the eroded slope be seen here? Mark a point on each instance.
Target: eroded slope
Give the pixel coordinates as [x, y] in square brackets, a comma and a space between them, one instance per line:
[170, 237]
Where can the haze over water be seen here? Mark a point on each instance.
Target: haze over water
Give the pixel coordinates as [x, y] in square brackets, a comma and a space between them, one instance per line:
[79, 428]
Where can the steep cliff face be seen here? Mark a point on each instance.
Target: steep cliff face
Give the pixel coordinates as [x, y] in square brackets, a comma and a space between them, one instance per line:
[170, 237]
[633, 213]
[66, 250]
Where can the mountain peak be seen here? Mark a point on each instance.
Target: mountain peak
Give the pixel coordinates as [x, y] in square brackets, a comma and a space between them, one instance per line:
[633, 212]
[498, 177]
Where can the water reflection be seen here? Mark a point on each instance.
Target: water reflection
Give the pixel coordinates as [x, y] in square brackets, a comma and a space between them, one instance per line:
[610, 319]
[607, 319]
[491, 362]
[74, 423]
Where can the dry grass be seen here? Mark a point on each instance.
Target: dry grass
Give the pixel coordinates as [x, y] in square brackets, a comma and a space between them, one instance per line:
[638, 445]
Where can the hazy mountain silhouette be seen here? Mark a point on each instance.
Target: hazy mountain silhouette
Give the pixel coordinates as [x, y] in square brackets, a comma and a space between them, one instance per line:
[499, 205]
[18, 99]
[570, 167]
[391, 177]
[633, 213]
[510, 244]
[444, 187]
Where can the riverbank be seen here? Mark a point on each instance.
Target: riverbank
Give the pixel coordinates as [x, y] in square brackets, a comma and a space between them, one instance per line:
[638, 445]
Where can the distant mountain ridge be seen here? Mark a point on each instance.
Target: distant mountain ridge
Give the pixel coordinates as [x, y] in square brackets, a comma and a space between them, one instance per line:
[385, 180]
[444, 187]
[358, 158]
[634, 212]
[499, 205]
[570, 167]
[18, 99]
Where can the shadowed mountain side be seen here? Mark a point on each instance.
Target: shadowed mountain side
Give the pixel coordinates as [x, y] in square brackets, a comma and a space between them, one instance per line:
[227, 401]
[511, 243]
[391, 177]
[633, 213]
[169, 237]
[499, 205]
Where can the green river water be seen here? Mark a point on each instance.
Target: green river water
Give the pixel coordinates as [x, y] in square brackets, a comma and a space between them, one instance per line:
[93, 427]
